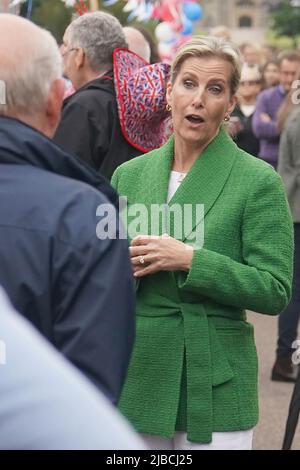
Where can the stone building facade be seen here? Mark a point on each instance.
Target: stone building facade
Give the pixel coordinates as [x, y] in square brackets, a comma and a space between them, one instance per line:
[248, 20]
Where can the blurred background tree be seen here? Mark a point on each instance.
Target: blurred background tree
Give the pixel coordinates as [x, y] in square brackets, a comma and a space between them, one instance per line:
[52, 15]
[55, 16]
[286, 21]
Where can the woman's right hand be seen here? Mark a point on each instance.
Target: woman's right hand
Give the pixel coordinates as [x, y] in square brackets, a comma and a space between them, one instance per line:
[150, 254]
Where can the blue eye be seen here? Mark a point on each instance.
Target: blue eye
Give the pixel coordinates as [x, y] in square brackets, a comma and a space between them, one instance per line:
[216, 90]
[188, 83]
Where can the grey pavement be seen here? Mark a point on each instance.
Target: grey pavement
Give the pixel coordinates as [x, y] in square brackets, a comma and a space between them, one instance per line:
[274, 397]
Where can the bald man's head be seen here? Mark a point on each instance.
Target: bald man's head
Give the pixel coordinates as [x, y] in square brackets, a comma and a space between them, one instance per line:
[30, 68]
[137, 42]
[17, 35]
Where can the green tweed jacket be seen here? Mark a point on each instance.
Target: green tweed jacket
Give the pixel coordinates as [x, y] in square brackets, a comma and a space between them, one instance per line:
[195, 360]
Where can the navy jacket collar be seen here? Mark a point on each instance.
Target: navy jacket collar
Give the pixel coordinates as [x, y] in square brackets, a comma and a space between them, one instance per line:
[23, 145]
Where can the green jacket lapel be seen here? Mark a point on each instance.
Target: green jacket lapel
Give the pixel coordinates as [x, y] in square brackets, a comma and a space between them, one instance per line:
[206, 179]
[201, 186]
[151, 194]
[154, 179]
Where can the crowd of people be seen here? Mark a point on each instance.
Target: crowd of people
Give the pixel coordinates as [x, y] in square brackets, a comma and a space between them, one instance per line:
[153, 322]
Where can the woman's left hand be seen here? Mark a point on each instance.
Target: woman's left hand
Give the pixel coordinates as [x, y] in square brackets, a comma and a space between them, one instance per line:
[150, 254]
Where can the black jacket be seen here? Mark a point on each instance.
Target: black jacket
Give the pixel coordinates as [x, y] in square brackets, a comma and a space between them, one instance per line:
[246, 139]
[56, 271]
[90, 127]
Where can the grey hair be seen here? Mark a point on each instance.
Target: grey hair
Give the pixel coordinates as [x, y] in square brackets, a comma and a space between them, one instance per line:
[98, 33]
[28, 77]
[209, 46]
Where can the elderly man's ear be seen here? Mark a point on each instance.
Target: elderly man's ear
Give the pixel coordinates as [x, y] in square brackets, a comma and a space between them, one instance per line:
[53, 106]
[80, 58]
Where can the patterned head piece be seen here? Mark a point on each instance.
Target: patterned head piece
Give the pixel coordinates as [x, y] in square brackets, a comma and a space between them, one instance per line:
[141, 98]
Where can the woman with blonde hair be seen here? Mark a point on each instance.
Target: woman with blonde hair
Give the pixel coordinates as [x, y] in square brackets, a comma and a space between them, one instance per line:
[209, 245]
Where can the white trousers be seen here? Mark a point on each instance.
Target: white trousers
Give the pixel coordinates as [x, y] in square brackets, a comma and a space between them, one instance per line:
[238, 440]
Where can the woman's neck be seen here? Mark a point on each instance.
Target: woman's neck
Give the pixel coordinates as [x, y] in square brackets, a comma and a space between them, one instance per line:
[185, 154]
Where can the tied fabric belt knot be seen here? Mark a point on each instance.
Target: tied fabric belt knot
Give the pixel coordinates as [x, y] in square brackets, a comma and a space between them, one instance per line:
[206, 362]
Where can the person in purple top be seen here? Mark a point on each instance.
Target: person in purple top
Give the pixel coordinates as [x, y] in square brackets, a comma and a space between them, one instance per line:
[268, 102]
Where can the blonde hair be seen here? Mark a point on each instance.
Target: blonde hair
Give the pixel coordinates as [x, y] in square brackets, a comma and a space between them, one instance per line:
[209, 46]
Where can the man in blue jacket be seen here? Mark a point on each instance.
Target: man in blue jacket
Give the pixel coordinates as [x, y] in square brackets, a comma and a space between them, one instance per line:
[75, 288]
